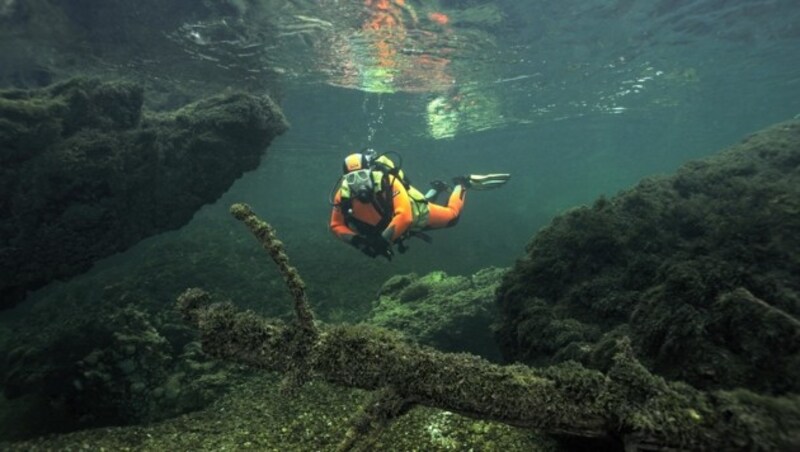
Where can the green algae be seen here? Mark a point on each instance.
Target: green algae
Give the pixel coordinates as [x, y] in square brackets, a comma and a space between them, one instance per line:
[628, 403]
[256, 415]
[662, 262]
[452, 313]
[116, 368]
[566, 400]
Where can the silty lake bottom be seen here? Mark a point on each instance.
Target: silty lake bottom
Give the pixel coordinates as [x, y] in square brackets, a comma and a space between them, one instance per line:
[633, 285]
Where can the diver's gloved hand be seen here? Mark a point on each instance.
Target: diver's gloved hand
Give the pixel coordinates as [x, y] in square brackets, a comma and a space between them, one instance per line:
[382, 247]
[402, 247]
[372, 247]
[362, 244]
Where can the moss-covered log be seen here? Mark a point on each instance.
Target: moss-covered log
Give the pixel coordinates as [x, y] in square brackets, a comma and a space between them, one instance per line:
[85, 172]
[628, 403]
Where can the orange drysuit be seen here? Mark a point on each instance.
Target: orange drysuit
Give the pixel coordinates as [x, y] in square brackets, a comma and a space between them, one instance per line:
[399, 217]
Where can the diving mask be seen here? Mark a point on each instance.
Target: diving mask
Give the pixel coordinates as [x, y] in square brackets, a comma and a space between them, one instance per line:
[360, 183]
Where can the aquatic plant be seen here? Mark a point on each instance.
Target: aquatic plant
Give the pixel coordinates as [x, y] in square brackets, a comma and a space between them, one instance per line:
[627, 404]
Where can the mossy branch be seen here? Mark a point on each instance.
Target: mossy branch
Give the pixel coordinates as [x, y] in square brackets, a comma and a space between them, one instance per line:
[628, 403]
[383, 407]
[266, 236]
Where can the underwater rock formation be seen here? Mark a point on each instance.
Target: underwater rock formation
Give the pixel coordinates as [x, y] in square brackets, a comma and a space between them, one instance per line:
[451, 313]
[120, 366]
[699, 269]
[85, 173]
[627, 405]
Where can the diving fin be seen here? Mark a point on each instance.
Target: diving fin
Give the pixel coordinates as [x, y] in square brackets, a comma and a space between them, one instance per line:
[488, 181]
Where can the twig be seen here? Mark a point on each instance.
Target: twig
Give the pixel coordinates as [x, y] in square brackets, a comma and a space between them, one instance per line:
[385, 406]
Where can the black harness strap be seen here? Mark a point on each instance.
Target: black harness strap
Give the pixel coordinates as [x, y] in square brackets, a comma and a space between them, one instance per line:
[383, 203]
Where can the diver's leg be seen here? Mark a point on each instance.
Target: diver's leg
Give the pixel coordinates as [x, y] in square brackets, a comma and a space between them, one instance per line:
[446, 216]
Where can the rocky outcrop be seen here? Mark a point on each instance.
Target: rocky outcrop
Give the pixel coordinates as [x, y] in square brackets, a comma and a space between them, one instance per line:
[85, 173]
[451, 313]
[118, 365]
[699, 269]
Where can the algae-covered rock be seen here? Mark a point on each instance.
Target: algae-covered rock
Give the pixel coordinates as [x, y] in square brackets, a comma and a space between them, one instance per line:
[699, 268]
[452, 313]
[258, 416]
[85, 173]
[110, 366]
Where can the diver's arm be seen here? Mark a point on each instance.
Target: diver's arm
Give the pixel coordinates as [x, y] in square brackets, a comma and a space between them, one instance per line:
[338, 225]
[340, 229]
[402, 216]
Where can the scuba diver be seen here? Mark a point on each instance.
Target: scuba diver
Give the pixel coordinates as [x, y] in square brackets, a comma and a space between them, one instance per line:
[375, 206]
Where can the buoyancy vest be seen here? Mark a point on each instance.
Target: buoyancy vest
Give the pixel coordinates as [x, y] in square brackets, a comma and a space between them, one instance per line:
[384, 173]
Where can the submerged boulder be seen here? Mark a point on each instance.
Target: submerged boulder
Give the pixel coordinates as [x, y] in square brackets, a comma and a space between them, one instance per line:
[451, 313]
[700, 269]
[85, 173]
[115, 365]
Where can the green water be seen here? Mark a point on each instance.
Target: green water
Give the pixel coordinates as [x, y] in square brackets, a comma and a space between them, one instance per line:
[575, 99]
[578, 101]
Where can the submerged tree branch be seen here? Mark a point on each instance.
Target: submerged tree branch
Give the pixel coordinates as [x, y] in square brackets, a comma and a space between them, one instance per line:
[383, 407]
[266, 236]
[628, 404]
